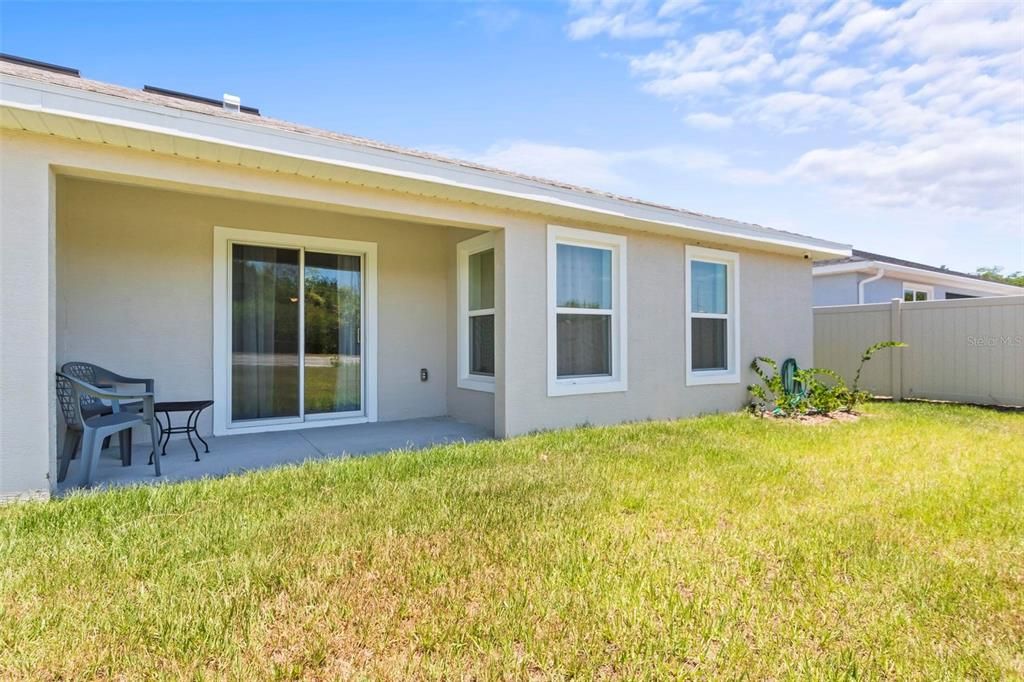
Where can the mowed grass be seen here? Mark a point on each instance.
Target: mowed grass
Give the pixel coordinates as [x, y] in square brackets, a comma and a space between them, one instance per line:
[724, 546]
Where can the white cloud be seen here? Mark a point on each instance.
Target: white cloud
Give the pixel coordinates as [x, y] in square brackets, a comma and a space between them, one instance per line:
[712, 59]
[673, 8]
[863, 25]
[973, 174]
[709, 121]
[694, 81]
[578, 165]
[794, 112]
[610, 169]
[790, 25]
[625, 18]
[924, 99]
[813, 42]
[496, 18]
[841, 79]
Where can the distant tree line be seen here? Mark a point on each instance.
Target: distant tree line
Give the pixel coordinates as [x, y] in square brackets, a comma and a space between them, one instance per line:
[995, 274]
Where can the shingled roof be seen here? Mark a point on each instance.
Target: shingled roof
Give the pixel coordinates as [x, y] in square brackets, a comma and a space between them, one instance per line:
[867, 257]
[62, 76]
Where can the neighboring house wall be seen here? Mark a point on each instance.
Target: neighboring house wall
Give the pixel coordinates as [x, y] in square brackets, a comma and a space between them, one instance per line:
[941, 291]
[842, 289]
[881, 290]
[888, 288]
[836, 289]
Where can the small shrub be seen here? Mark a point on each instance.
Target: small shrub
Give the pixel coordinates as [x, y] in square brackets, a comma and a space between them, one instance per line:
[821, 397]
[815, 390]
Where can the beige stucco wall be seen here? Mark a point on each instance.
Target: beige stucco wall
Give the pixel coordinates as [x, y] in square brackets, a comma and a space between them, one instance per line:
[775, 317]
[475, 407]
[135, 276]
[27, 450]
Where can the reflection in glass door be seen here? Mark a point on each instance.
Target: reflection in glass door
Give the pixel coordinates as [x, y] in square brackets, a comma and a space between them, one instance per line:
[332, 363]
[264, 332]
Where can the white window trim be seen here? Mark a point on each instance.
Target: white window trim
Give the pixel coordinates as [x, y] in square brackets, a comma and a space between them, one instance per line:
[223, 237]
[465, 249]
[617, 382]
[731, 260]
[923, 288]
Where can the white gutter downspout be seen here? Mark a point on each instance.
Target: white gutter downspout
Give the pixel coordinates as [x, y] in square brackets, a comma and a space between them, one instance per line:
[860, 287]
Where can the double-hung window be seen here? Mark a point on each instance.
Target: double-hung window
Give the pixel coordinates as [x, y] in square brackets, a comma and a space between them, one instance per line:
[712, 316]
[476, 313]
[918, 292]
[586, 311]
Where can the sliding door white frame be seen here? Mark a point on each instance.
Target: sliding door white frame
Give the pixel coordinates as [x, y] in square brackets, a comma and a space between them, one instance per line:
[223, 237]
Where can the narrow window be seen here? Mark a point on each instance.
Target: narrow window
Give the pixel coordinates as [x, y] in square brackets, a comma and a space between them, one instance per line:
[586, 316]
[712, 312]
[476, 313]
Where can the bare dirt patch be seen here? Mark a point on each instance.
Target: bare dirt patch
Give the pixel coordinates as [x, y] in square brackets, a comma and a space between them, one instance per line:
[815, 419]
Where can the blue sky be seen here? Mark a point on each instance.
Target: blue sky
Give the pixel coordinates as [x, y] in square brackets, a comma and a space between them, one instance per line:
[898, 127]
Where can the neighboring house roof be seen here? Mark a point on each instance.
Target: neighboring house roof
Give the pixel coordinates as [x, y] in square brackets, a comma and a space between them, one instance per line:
[865, 261]
[58, 92]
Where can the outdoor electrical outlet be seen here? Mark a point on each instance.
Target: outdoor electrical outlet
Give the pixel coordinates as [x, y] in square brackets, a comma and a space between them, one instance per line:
[423, 374]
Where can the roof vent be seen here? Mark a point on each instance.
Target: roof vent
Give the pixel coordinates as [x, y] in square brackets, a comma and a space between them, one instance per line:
[24, 61]
[229, 102]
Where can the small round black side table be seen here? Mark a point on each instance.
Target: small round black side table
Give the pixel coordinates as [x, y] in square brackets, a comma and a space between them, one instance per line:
[194, 408]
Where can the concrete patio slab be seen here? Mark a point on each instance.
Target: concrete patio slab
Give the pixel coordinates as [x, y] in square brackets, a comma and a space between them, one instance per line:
[247, 452]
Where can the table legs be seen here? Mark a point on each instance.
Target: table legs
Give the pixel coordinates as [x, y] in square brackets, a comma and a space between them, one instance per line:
[190, 428]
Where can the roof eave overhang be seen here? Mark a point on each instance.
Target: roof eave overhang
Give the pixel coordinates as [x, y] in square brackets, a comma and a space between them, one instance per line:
[919, 275]
[120, 122]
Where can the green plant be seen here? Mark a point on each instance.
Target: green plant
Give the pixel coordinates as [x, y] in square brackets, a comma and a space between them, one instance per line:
[771, 395]
[816, 389]
[819, 396]
[881, 345]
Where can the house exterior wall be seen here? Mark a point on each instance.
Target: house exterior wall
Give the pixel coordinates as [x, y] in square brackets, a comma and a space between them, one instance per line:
[135, 276]
[27, 411]
[775, 319]
[475, 407]
[836, 289]
[881, 290]
[138, 263]
[888, 288]
[842, 289]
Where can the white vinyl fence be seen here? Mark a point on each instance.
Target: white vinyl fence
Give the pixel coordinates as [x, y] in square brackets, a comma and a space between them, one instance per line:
[967, 350]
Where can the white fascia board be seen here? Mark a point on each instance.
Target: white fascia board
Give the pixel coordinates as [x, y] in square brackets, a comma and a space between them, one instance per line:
[910, 275]
[843, 268]
[106, 109]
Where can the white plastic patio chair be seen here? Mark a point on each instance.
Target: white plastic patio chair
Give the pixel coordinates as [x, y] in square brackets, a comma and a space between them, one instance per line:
[92, 430]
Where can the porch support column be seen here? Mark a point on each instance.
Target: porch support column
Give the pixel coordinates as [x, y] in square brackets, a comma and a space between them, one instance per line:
[501, 333]
[27, 345]
[524, 388]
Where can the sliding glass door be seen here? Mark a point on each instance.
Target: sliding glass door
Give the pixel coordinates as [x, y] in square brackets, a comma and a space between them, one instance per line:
[264, 332]
[296, 334]
[333, 379]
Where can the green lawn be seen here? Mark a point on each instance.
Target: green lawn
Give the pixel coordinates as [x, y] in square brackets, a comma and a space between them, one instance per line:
[724, 546]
